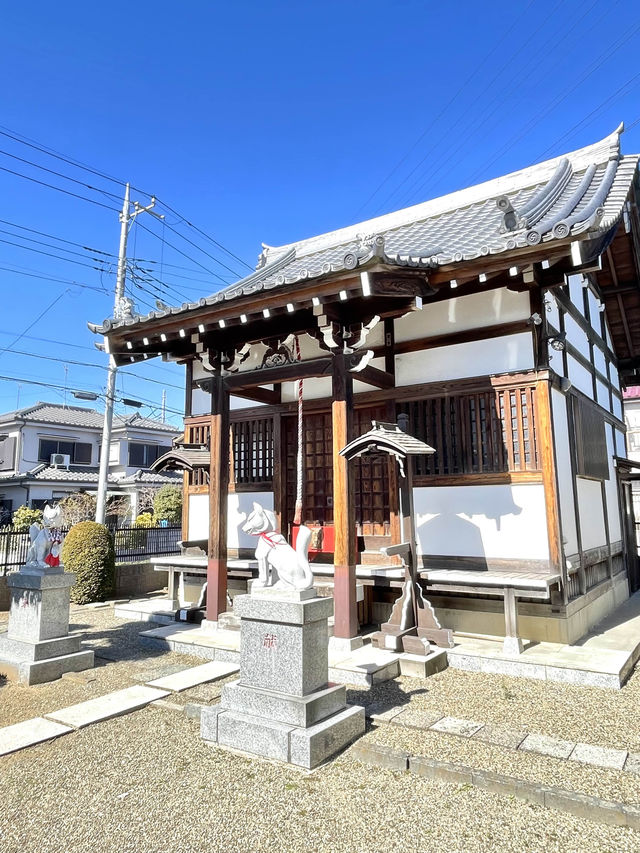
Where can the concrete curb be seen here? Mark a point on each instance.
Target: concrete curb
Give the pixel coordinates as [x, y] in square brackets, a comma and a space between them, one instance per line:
[581, 805]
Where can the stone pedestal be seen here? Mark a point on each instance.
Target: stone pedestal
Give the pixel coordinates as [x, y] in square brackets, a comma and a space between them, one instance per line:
[282, 706]
[37, 646]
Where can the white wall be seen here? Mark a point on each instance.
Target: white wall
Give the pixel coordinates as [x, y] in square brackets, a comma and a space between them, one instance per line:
[563, 462]
[31, 435]
[611, 491]
[476, 358]
[501, 522]
[462, 313]
[580, 377]
[239, 505]
[591, 513]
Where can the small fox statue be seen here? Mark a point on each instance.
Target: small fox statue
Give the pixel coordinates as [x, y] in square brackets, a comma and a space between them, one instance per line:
[278, 564]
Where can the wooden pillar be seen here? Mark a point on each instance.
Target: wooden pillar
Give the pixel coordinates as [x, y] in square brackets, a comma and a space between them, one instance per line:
[549, 480]
[218, 493]
[344, 522]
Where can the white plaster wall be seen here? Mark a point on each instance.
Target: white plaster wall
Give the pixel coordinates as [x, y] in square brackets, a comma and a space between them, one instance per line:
[611, 490]
[313, 389]
[576, 336]
[563, 463]
[603, 395]
[621, 445]
[594, 310]
[576, 290]
[551, 307]
[506, 522]
[580, 378]
[238, 507]
[200, 402]
[599, 360]
[463, 312]
[241, 403]
[617, 408]
[476, 358]
[591, 513]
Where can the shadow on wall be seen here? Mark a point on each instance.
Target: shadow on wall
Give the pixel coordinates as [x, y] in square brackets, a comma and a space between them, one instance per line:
[459, 520]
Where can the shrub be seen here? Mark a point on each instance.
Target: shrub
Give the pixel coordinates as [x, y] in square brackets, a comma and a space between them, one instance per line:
[145, 519]
[167, 504]
[77, 508]
[88, 551]
[24, 517]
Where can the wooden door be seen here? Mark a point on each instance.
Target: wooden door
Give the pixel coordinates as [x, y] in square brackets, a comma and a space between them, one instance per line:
[371, 474]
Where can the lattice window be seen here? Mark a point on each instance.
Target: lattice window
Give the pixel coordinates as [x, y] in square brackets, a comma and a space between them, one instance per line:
[252, 451]
[491, 431]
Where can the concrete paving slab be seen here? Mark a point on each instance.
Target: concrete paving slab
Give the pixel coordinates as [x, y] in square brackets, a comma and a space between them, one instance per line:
[497, 736]
[633, 763]
[417, 718]
[105, 707]
[28, 733]
[599, 756]
[186, 678]
[456, 726]
[544, 745]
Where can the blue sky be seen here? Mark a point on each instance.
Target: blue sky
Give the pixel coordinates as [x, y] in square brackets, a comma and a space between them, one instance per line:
[263, 122]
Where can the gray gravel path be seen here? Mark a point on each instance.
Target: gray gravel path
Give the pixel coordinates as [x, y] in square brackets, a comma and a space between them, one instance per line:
[146, 783]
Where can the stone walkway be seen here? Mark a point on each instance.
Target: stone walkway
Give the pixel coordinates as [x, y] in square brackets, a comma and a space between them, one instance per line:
[66, 720]
[584, 753]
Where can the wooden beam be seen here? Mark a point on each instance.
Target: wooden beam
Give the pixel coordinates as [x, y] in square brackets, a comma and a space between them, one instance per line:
[260, 395]
[218, 491]
[345, 549]
[374, 376]
[284, 373]
[623, 316]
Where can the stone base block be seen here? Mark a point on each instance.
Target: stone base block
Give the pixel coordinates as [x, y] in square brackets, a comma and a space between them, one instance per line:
[419, 666]
[304, 747]
[292, 710]
[40, 671]
[28, 650]
[310, 747]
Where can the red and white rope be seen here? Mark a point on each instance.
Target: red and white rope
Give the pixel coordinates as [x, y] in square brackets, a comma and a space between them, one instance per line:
[297, 517]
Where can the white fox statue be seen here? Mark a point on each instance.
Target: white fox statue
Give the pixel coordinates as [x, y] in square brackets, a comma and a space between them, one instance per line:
[279, 565]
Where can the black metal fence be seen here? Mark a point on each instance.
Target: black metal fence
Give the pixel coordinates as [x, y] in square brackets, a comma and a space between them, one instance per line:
[132, 544]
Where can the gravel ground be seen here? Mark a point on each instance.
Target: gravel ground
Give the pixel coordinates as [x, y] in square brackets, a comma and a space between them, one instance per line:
[587, 714]
[146, 783]
[120, 662]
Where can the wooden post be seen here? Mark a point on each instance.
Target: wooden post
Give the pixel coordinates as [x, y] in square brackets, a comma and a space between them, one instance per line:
[346, 620]
[218, 495]
[549, 480]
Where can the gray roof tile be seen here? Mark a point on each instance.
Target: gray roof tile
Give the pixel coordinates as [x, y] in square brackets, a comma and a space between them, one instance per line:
[582, 193]
[51, 413]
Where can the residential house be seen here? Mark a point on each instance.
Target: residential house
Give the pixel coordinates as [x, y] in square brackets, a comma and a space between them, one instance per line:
[49, 451]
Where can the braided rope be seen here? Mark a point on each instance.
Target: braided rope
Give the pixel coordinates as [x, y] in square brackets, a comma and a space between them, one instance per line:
[297, 517]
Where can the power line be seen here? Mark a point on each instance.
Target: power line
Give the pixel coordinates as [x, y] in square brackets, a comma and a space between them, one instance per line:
[55, 280]
[58, 174]
[51, 255]
[60, 189]
[180, 252]
[90, 364]
[79, 165]
[32, 324]
[60, 239]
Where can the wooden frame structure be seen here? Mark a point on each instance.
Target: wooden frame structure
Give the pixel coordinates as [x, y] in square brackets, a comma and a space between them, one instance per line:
[489, 318]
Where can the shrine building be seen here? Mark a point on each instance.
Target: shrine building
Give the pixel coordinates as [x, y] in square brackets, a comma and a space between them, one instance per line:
[503, 321]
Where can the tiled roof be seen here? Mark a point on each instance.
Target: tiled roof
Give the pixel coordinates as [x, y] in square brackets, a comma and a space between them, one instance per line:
[50, 413]
[88, 474]
[580, 194]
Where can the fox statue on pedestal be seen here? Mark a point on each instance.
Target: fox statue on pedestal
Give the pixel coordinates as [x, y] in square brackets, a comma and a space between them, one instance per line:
[279, 565]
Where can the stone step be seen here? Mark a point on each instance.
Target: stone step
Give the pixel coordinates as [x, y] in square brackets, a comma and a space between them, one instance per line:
[105, 707]
[195, 675]
[364, 666]
[28, 733]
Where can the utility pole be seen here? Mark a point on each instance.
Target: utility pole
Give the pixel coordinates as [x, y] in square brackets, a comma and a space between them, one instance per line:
[127, 216]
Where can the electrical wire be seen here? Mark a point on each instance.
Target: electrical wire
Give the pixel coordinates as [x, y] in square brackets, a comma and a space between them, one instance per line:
[56, 280]
[32, 324]
[50, 255]
[60, 189]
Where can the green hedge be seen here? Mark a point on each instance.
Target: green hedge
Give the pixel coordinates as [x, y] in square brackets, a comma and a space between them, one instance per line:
[88, 551]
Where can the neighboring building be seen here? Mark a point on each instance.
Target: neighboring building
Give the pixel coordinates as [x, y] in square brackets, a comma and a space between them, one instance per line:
[631, 401]
[49, 451]
[503, 319]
